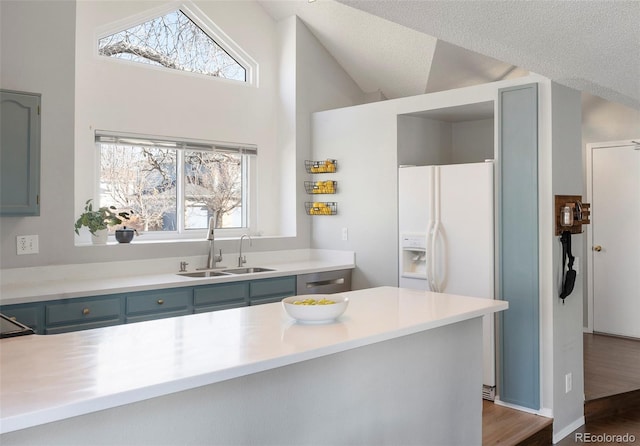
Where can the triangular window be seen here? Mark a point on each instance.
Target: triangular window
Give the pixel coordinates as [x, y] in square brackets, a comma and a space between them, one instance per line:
[173, 41]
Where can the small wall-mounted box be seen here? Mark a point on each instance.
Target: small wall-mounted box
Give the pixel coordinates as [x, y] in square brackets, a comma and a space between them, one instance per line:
[571, 214]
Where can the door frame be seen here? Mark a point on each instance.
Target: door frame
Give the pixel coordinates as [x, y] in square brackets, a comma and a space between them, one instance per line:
[589, 228]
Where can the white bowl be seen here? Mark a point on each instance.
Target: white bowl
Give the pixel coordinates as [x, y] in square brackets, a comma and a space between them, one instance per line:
[315, 313]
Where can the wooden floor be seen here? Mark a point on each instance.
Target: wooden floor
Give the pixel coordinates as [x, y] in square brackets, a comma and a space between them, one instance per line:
[505, 427]
[623, 421]
[611, 367]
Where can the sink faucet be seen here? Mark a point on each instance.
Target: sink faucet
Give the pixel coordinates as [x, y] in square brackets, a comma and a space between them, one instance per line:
[212, 258]
[242, 260]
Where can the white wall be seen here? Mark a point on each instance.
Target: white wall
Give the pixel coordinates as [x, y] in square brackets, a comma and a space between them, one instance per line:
[567, 179]
[423, 141]
[604, 121]
[364, 140]
[47, 49]
[38, 55]
[472, 141]
[321, 84]
[286, 138]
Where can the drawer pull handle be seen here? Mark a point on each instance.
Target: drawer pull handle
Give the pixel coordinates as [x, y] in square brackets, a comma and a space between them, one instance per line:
[86, 311]
[160, 301]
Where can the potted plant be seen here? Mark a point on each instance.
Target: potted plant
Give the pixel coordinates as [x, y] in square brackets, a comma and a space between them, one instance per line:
[98, 220]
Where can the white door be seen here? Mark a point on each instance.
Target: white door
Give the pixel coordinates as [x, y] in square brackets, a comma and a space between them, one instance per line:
[464, 245]
[615, 219]
[464, 248]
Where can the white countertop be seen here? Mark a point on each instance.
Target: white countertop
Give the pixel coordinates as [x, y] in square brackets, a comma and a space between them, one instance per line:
[53, 377]
[23, 285]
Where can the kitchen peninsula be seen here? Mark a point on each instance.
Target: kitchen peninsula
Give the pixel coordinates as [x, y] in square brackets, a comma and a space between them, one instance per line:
[399, 366]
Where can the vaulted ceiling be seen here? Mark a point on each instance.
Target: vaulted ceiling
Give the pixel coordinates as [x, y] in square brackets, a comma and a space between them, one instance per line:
[408, 47]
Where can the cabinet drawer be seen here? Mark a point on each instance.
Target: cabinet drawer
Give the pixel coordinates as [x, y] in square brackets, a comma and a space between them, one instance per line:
[269, 299]
[159, 301]
[57, 329]
[225, 306]
[219, 294]
[278, 286]
[154, 316]
[265, 291]
[31, 315]
[83, 310]
[327, 282]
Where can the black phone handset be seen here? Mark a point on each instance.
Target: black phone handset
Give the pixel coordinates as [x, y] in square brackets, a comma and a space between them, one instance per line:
[568, 274]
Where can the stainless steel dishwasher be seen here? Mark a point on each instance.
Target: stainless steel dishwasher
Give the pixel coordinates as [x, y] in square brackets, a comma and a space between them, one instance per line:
[327, 282]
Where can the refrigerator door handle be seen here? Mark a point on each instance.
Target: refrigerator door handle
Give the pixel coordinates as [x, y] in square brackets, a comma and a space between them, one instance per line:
[429, 255]
[434, 242]
[438, 235]
[435, 200]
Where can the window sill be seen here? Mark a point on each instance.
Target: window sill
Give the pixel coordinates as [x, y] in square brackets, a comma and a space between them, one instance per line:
[139, 240]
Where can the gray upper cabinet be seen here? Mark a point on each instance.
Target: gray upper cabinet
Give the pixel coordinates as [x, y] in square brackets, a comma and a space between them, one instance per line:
[19, 153]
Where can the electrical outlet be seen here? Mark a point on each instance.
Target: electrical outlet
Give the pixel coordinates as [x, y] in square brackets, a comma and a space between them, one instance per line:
[27, 244]
[345, 234]
[567, 383]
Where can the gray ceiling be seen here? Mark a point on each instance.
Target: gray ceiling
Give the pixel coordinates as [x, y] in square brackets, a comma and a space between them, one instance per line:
[409, 47]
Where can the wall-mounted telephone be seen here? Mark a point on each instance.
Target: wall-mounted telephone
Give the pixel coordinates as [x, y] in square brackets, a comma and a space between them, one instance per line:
[568, 273]
[571, 214]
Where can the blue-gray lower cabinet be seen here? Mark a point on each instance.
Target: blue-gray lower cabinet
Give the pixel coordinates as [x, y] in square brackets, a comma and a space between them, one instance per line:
[221, 296]
[82, 313]
[156, 304]
[64, 315]
[265, 291]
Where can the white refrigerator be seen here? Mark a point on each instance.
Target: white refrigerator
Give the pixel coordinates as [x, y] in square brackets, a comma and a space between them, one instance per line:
[446, 225]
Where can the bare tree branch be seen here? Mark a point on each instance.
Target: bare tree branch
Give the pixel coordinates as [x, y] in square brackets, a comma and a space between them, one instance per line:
[142, 51]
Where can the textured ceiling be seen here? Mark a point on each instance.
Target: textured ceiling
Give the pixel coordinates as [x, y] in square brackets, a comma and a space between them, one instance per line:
[371, 50]
[588, 45]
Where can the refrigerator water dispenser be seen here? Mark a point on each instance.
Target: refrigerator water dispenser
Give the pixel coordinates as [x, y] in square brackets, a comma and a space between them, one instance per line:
[414, 256]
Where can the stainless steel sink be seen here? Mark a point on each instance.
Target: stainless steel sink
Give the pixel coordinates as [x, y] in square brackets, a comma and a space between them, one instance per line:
[204, 274]
[254, 269]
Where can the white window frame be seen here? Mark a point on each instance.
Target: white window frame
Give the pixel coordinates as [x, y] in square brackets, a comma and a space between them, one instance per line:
[198, 17]
[249, 174]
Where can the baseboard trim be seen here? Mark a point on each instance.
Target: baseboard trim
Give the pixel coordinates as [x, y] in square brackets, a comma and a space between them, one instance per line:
[567, 430]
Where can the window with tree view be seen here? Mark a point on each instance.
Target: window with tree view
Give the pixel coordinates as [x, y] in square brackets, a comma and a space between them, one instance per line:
[174, 186]
[173, 41]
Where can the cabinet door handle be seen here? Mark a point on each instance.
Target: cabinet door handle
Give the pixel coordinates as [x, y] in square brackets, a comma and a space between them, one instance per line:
[597, 248]
[86, 311]
[160, 301]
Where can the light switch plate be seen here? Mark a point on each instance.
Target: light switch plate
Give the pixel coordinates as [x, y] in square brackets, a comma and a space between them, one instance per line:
[27, 244]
